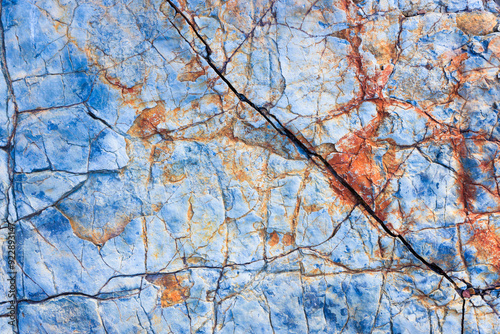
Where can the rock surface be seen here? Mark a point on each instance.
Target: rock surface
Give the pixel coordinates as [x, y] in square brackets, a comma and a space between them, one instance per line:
[251, 167]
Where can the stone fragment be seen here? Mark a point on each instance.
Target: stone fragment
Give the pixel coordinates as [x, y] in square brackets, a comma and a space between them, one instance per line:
[477, 23]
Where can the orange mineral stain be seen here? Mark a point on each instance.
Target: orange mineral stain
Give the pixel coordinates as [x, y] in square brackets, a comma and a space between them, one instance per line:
[487, 244]
[274, 239]
[355, 163]
[175, 288]
[288, 239]
[192, 71]
[147, 123]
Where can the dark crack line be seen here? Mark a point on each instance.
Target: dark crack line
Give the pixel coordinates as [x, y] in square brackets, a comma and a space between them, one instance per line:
[56, 203]
[314, 157]
[248, 36]
[463, 316]
[75, 294]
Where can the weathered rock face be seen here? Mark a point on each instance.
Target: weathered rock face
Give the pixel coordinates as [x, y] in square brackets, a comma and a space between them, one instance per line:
[251, 167]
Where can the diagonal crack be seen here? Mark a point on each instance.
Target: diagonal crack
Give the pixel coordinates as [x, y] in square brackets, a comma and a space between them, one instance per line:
[322, 163]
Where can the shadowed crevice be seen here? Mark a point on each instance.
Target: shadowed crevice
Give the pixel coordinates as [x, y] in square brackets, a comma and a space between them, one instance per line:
[307, 150]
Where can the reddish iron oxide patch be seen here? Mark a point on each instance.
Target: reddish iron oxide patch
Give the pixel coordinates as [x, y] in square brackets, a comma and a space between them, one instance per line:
[274, 239]
[175, 288]
[147, 123]
[487, 243]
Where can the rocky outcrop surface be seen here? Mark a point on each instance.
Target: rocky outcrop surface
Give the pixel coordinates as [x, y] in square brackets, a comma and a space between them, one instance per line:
[250, 166]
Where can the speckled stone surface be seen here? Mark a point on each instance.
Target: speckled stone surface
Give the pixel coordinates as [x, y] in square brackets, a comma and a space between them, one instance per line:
[250, 166]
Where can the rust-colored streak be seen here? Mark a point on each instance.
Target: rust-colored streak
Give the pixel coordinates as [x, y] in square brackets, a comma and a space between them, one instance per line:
[471, 187]
[463, 179]
[128, 93]
[367, 37]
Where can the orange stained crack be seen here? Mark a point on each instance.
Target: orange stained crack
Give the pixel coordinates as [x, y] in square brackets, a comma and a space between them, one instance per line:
[355, 162]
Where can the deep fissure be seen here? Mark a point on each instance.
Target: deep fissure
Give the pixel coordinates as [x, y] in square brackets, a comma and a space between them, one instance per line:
[321, 162]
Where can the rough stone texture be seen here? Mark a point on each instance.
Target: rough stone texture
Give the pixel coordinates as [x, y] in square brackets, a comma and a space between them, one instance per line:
[251, 166]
